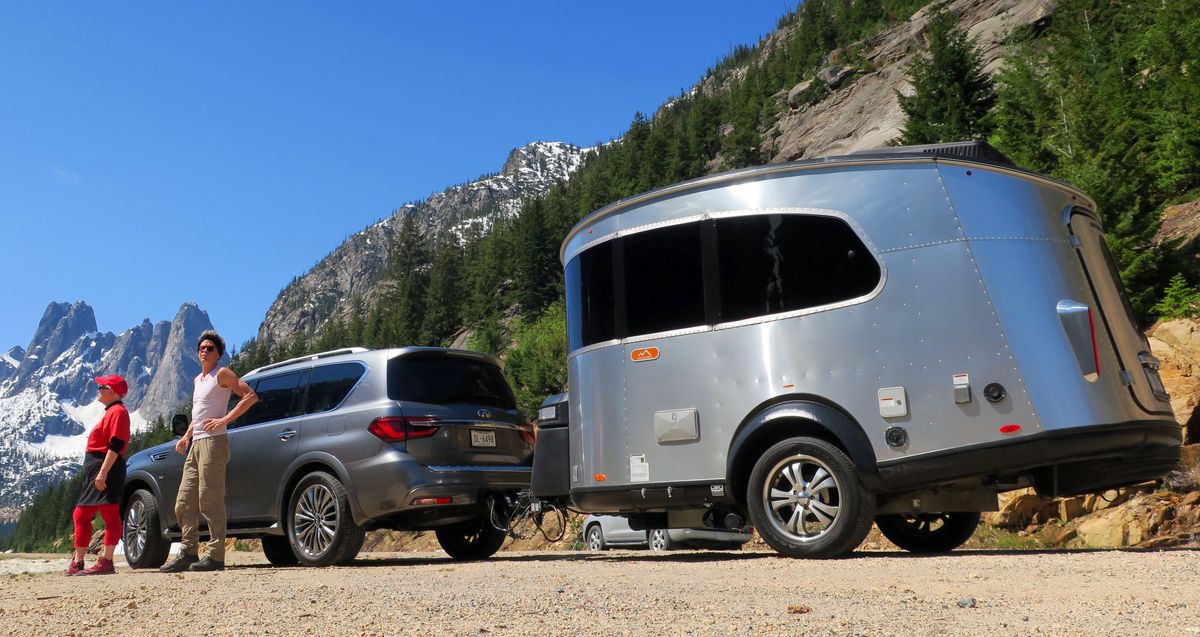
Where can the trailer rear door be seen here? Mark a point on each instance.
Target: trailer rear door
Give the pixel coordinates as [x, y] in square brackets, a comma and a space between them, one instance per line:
[1139, 369]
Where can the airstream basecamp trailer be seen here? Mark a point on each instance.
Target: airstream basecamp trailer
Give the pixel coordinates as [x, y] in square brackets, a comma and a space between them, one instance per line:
[891, 337]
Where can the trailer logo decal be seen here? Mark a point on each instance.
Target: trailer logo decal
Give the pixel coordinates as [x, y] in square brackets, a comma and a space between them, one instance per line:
[644, 354]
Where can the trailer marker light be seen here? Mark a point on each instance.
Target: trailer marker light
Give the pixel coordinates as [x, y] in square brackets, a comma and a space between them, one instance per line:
[600, 477]
[1010, 428]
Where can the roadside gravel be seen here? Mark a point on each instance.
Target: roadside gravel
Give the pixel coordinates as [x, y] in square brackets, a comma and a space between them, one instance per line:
[1119, 592]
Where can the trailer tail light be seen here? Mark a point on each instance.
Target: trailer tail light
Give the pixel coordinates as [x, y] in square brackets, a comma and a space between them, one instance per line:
[441, 500]
[528, 432]
[1010, 428]
[1095, 348]
[398, 429]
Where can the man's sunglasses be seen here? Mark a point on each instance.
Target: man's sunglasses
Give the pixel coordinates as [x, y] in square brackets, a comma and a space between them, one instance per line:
[104, 387]
[208, 348]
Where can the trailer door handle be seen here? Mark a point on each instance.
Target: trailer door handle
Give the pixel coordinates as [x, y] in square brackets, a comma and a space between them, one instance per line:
[1148, 360]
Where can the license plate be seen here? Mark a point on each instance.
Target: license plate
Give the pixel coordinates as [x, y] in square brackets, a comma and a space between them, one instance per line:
[483, 438]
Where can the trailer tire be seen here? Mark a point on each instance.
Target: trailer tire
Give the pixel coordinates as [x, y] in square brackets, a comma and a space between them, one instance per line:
[928, 532]
[807, 500]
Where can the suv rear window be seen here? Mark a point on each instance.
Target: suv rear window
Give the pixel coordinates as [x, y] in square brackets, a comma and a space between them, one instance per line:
[444, 380]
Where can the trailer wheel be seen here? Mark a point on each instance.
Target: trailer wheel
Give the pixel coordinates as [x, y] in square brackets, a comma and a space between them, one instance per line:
[928, 532]
[806, 499]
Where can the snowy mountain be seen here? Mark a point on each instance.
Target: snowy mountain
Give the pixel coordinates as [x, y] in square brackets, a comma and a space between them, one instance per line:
[470, 208]
[48, 395]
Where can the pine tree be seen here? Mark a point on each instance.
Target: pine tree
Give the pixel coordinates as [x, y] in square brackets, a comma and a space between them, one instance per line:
[951, 94]
[443, 301]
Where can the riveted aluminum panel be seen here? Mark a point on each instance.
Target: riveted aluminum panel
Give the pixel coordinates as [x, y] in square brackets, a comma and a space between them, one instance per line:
[1019, 237]
[597, 420]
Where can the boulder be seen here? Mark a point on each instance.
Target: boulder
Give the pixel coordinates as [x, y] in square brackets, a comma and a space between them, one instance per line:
[833, 76]
[1019, 508]
[793, 98]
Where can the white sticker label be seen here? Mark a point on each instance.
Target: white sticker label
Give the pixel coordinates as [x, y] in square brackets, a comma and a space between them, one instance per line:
[639, 470]
[962, 379]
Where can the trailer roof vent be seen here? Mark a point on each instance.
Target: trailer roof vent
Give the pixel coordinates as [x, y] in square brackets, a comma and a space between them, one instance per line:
[974, 151]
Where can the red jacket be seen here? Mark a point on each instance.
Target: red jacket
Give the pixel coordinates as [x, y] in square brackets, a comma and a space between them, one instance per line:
[114, 424]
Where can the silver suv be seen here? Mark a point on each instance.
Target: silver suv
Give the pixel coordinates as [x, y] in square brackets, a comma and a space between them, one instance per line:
[348, 441]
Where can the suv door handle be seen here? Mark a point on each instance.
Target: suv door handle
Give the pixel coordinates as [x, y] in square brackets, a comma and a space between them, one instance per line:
[287, 434]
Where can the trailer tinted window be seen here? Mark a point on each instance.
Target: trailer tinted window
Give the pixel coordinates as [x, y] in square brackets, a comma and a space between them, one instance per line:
[781, 263]
[444, 380]
[664, 281]
[591, 297]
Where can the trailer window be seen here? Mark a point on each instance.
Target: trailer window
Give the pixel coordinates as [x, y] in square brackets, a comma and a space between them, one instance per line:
[664, 281]
[782, 263]
[590, 297]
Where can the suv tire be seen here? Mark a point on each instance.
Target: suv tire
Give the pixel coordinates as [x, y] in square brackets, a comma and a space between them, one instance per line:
[806, 499]
[475, 540]
[660, 540]
[320, 527]
[594, 538]
[145, 546]
[278, 549]
[928, 532]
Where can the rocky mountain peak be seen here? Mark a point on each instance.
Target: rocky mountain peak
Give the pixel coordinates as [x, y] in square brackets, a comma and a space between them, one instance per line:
[62, 324]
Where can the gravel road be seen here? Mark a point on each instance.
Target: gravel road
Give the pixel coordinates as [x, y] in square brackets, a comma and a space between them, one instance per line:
[624, 593]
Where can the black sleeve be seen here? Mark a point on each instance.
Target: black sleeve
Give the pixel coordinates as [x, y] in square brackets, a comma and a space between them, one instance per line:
[116, 444]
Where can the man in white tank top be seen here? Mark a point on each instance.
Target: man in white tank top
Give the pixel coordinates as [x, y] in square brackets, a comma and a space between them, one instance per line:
[202, 488]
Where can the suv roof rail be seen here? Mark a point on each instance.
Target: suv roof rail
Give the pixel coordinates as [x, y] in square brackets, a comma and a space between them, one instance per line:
[310, 357]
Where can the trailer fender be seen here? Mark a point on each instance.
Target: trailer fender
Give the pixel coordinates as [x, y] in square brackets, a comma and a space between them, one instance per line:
[801, 417]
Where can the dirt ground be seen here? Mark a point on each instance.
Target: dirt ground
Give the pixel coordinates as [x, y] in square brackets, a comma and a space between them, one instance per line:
[749, 592]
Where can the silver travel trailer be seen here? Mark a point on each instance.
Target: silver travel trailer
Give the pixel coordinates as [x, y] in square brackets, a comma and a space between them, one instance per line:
[894, 336]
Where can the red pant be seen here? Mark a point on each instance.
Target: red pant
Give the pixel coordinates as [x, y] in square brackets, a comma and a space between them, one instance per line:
[83, 524]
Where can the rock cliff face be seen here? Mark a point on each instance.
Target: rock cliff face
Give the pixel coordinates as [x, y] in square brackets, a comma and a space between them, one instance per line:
[353, 267]
[862, 111]
[48, 395]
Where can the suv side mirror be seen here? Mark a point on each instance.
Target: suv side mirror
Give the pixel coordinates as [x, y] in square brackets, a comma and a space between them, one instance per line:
[179, 424]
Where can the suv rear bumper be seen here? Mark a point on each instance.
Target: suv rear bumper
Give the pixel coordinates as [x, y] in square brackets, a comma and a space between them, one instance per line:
[387, 485]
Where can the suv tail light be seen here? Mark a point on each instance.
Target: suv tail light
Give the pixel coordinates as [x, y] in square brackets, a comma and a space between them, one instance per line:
[528, 432]
[399, 429]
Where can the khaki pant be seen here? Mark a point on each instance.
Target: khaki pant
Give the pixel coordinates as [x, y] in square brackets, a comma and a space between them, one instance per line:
[202, 492]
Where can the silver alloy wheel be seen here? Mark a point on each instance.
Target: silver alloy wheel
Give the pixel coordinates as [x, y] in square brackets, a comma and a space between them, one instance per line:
[136, 530]
[595, 541]
[315, 520]
[659, 540]
[803, 498]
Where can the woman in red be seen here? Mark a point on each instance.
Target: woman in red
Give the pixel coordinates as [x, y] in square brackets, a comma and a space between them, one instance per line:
[103, 478]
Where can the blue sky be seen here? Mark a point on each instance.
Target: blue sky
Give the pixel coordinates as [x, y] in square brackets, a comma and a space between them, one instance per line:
[156, 153]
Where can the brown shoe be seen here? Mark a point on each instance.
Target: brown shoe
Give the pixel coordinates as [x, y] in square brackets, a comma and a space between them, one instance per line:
[101, 567]
[179, 564]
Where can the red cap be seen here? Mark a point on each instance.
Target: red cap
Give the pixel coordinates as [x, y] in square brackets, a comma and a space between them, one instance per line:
[114, 382]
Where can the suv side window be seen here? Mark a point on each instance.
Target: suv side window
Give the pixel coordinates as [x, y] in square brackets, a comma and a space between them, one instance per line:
[329, 385]
[278, 397]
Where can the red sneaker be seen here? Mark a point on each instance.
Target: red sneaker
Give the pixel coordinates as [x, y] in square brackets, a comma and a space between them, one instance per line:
[74, 569]
[101, 567]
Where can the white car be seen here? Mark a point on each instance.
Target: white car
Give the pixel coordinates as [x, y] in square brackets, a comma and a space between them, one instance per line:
[603, 531]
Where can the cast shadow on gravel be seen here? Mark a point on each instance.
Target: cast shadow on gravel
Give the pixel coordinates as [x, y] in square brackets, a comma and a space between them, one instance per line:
[699, 557]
